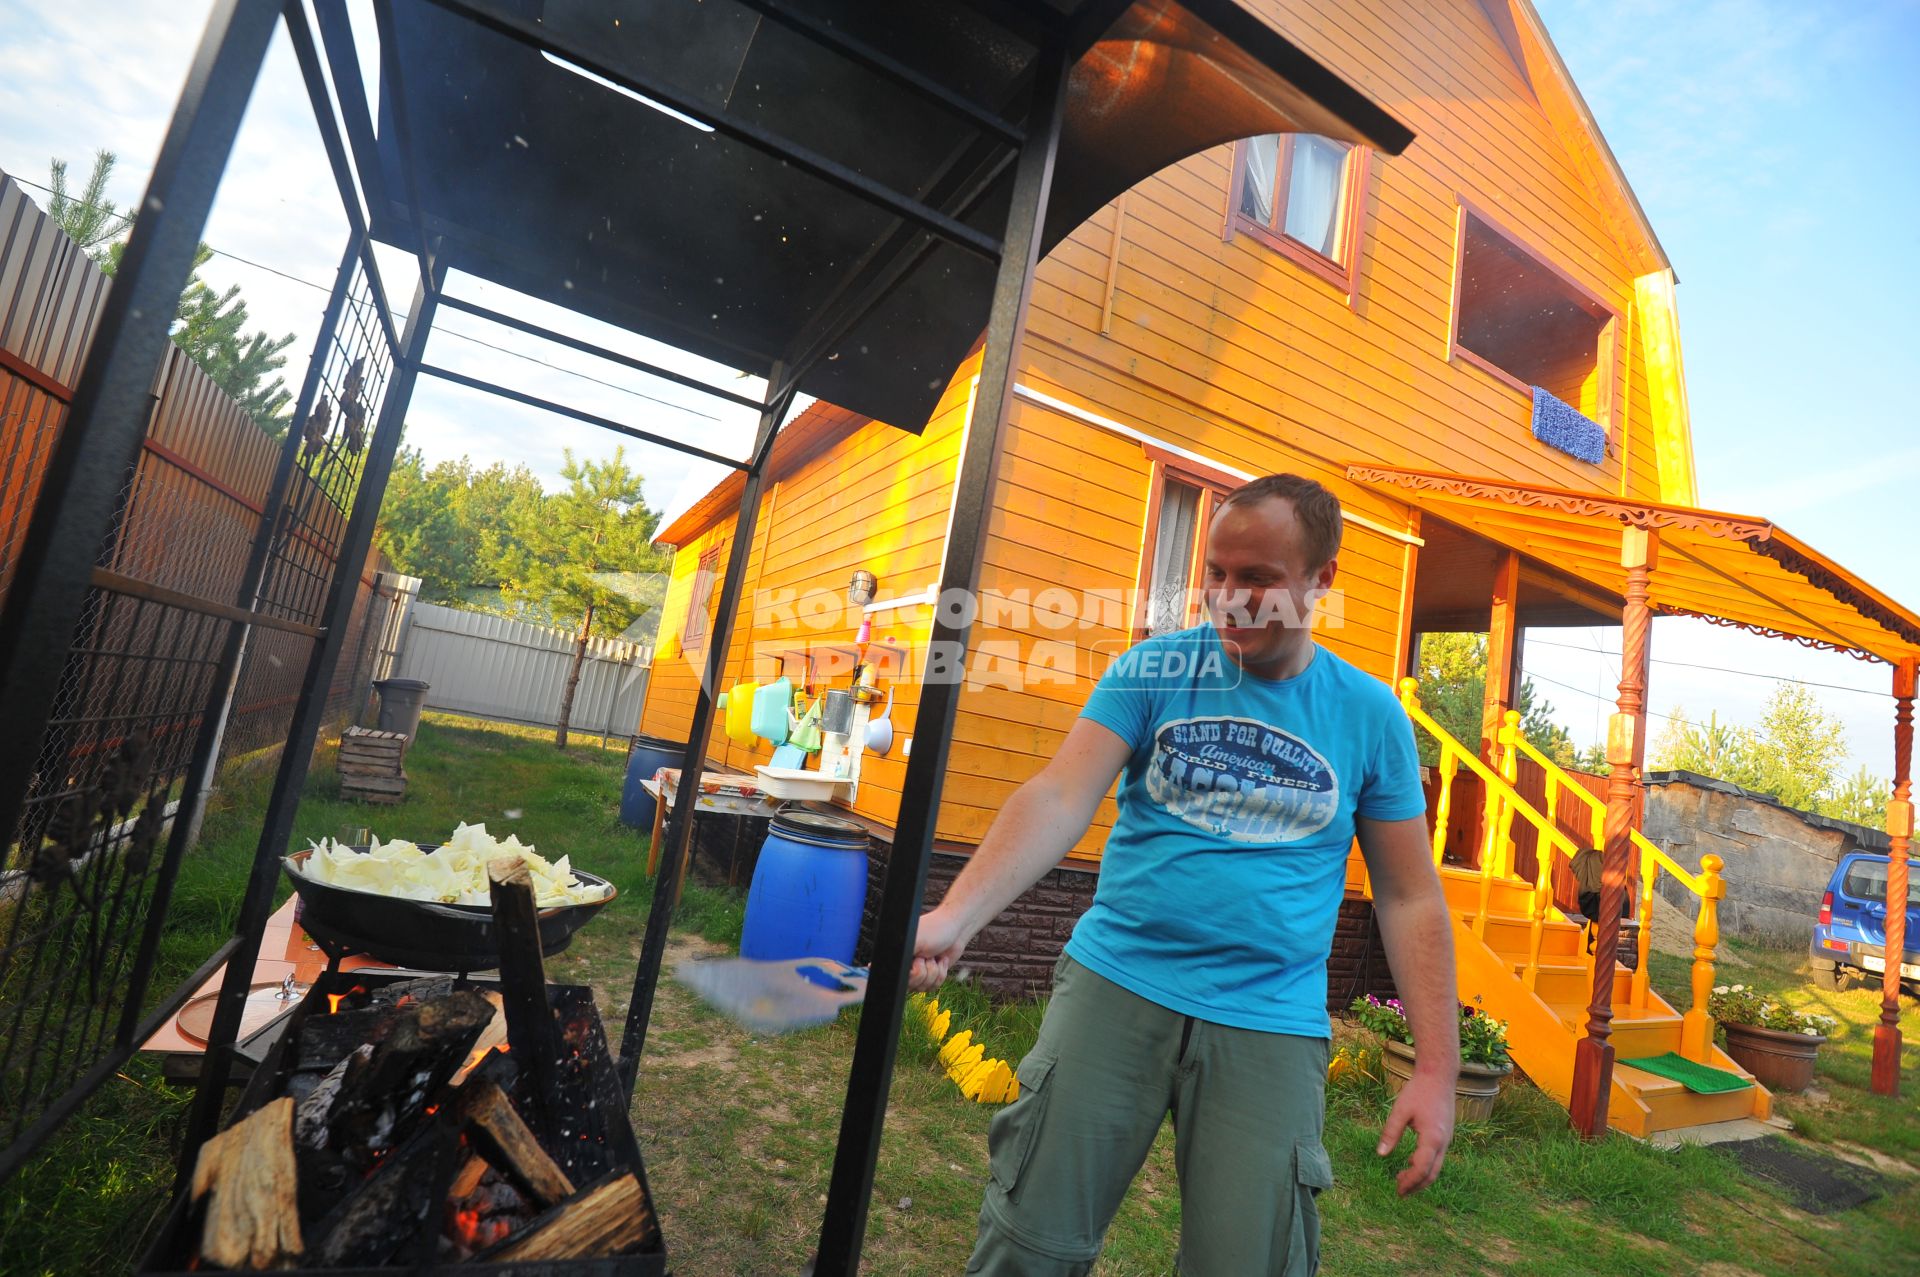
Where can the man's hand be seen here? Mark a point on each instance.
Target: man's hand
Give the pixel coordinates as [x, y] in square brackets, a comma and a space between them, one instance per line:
[937, 944]
[1425, 1103]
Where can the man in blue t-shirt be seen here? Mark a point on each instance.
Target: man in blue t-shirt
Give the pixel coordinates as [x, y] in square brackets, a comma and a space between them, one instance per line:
[1249, 760]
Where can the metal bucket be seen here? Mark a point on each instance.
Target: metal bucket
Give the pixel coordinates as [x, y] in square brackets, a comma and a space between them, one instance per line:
[836, 717]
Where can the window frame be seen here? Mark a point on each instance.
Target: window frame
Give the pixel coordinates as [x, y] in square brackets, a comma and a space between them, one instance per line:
[1214, 485]
[1606, 347]
[1343, 273]
[699, 602]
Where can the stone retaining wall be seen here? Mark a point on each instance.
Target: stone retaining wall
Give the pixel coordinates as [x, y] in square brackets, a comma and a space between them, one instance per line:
[1778, 860]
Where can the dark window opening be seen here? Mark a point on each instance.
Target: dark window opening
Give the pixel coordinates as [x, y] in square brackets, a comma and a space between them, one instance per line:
[1523, 320]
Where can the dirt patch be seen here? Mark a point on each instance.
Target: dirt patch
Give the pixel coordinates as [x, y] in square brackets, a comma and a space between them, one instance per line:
[1872, 1158]
[723, 1056]
[1673, 933]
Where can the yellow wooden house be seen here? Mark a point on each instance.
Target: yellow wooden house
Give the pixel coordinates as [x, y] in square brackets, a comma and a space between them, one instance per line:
[1474, 344]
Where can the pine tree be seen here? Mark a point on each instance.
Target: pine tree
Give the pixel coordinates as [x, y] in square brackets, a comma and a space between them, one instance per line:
[207, 325]
[571, 552]
[90, 219]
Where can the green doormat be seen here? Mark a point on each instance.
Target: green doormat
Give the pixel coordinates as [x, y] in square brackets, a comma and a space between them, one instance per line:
[1701, 1079]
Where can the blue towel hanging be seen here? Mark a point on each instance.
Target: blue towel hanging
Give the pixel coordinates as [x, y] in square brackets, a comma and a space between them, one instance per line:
[1560, 425]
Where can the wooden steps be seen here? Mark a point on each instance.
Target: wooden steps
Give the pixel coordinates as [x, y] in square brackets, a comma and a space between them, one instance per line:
[1670, 1105]
[1546, 1022]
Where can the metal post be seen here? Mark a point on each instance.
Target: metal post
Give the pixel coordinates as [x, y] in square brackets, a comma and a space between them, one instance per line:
[1626, 754]
[111, 402]
[308, 718]
[679, 825]
[843, 1227]
[1886, 1034]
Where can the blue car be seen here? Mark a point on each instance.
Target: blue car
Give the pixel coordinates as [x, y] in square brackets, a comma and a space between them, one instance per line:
[1849, 940]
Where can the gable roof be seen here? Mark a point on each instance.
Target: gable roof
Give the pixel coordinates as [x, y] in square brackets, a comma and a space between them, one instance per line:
[1525, 36]
[817, 428]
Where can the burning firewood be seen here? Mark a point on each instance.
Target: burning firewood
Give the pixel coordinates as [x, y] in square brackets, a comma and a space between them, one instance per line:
[494, 1036]
[247, 1175]
[494, 1125]
[378, 1098]
[532, 1031]
[387, 1214]
[608, 1219]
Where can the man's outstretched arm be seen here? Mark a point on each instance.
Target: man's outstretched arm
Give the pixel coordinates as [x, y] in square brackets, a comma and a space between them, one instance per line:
[1412, 910]
[1036, 827]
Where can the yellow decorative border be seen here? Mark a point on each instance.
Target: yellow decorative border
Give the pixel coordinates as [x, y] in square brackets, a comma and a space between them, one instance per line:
[980, 1079]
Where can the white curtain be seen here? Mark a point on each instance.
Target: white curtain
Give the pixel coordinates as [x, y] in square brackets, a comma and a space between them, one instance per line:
[1256, 193]
[1315, 184]
[1172, 555]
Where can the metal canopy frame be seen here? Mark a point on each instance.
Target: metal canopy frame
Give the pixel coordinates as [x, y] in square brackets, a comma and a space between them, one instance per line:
[1003, 168]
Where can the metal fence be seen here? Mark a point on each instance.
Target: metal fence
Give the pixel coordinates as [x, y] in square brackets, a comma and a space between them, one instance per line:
[516, 672]
[82, 870]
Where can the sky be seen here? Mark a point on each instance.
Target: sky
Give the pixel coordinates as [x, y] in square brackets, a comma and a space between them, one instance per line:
[1771, 144]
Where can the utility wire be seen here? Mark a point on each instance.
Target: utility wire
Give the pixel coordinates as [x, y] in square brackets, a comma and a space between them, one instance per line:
[1542, 678]
[401, 318]
[1718, 669]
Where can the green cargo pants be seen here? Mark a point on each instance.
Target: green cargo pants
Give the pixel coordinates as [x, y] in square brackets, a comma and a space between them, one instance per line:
[1109, 1066]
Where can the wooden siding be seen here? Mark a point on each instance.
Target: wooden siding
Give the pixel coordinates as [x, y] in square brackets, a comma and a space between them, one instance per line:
[879, 500]
[1235, 329]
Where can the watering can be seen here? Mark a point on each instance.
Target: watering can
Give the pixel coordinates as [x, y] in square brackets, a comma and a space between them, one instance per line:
[772, 714]
[740, 713]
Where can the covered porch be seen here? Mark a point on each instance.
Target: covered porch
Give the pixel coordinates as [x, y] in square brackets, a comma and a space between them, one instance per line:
[1500, 558]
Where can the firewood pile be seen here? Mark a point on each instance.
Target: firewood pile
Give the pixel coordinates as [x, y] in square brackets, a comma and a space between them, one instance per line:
[431, 1124]
[370, 765]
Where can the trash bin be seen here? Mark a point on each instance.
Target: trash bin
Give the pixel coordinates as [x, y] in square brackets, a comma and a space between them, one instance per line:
[401, 700]
[647, 755]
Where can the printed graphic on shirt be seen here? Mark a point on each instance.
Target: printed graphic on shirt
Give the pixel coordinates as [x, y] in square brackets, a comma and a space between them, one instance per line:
[1241, 779]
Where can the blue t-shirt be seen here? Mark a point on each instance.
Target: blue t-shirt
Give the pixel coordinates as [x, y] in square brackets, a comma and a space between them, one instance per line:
[1222, 879]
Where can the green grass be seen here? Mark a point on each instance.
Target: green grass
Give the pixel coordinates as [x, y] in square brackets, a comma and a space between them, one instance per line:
[739, 1130]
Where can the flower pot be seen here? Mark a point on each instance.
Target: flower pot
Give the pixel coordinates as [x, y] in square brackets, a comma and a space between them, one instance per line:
[1778, 1060]
[1474, 1091]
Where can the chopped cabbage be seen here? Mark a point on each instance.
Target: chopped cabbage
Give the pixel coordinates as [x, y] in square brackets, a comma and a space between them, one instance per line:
[454, 873]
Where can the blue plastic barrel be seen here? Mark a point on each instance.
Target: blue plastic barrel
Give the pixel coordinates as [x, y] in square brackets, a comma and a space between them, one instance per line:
[808, 889]
[648, 755]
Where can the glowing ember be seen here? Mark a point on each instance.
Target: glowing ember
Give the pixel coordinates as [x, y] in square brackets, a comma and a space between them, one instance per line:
[333, 1002]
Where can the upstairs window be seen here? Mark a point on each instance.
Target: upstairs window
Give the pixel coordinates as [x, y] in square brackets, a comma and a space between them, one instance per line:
[1301, 194]
[693, 635]
[1523, 319]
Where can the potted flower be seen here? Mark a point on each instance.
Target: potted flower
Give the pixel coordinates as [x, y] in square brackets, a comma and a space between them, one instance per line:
[1767, 1038]
[1484, 1063]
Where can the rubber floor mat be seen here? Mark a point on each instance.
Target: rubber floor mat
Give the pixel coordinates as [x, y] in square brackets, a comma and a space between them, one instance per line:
[1818, 1183]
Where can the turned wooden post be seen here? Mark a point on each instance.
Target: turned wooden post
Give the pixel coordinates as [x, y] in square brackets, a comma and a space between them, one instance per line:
[1626, 752]
[1886, 1034]
[1503, 628]
[1696, 1026]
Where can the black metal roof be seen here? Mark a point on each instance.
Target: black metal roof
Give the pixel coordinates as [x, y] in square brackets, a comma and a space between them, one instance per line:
[715, 241]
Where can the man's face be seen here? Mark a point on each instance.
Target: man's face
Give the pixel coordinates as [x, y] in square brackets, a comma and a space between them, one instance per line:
[1260, 581]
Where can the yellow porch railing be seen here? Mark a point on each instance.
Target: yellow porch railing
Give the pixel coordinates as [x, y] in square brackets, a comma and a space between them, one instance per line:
[1696, 1026]
[1503, 802]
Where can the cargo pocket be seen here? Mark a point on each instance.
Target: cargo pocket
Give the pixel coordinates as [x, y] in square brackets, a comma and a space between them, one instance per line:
[1312, 1175]
[1011, 1137]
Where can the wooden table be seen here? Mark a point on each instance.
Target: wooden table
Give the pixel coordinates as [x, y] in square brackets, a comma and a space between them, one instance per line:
[284, 952]
[721, 793]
